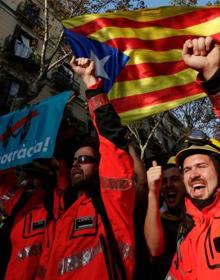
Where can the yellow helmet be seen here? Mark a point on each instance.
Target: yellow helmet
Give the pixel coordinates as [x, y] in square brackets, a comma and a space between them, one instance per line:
[171, 160]
[198, 142]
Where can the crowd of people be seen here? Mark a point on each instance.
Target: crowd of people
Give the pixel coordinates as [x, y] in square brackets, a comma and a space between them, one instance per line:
[105, 216]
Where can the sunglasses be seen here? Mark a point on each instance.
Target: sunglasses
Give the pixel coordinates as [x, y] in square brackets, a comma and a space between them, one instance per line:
[83, 159]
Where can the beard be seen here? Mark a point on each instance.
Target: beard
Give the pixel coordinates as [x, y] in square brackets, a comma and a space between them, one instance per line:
[83, 184]
[78, 187]
[202, 203]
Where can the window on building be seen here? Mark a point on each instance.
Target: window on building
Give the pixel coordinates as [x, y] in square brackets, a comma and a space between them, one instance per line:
[29, 13]
[20, 43]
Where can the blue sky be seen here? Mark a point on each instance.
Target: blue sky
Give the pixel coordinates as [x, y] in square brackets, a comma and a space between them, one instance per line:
[157, 3]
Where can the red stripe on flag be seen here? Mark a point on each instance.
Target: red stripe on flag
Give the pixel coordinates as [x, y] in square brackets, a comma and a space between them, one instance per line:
[176, 22]
[128, 103]
[145, 70]
[165, 44]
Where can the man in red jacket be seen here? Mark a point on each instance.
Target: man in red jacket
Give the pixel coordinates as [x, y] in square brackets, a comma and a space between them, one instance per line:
[93, 236]
[26, 217]
[198, 246]
[198, 249]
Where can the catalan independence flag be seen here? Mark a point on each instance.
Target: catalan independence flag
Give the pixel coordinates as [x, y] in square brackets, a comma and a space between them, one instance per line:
[138, 53]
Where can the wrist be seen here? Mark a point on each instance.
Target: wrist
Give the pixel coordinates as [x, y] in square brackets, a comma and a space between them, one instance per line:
[98, 83]
[211, 85]
[90, 81]
[94, 89]
[153, 194]
[209, 72]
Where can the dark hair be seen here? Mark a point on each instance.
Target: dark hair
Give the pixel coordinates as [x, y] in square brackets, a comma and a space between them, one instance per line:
[214, 157]
[89, 142]
[216, 161]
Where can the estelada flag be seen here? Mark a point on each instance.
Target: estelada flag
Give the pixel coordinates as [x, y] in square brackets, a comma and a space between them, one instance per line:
[138, 53]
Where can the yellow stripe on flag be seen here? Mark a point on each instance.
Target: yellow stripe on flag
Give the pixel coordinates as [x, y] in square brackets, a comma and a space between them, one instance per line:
[155, 33]
[139, 113]
[138, 56]
[135, 87]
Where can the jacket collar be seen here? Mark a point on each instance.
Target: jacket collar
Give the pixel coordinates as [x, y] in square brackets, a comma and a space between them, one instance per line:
[208, 211]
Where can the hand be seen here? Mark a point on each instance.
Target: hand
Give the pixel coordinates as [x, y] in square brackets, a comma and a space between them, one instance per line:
[203, 55]
[154, 178]
[85, 68]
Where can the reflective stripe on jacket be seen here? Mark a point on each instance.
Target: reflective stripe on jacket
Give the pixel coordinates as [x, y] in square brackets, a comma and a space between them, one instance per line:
[26, 235]
[76, 246]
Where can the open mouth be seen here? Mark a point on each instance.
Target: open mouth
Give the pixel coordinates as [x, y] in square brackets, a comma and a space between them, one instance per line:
[198, 189]
[171, 196]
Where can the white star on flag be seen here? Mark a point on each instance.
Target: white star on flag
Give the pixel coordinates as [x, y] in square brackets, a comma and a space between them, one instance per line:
[100, 63]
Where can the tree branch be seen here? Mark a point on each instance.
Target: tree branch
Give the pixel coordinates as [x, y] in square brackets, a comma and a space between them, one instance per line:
[133, 131]
[59, 60]
[102, 5]
[57, 46]
[149, 137]
[46, 35]
[74, 11]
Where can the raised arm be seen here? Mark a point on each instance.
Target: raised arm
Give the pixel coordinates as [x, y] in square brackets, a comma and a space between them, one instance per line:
[112, 134]
[85, 69]
[116, 170]
[203, 55]
[153, 228]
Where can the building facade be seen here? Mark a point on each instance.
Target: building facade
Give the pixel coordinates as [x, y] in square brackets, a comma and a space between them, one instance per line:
[21, 43]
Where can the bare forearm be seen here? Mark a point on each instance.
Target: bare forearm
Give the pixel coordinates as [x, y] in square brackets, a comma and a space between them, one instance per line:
[139, 168]
[153, 228]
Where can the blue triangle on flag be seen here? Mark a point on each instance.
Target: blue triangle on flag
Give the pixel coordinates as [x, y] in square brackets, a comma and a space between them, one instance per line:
[109, 60]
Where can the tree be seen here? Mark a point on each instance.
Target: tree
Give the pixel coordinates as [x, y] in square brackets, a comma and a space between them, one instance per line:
[210, 3]
[157, 135]
[198, 114]
[151, 133]
[143, 131]
[183, 2]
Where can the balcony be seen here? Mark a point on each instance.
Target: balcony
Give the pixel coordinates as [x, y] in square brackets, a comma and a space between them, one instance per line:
[18, 49]
[29, 13]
